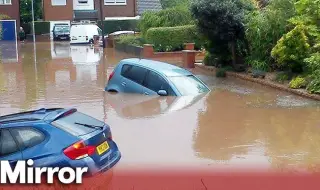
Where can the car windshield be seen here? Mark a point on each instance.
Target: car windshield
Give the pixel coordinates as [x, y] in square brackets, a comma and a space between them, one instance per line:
[78, 124]
[188, 85]
[61, 29]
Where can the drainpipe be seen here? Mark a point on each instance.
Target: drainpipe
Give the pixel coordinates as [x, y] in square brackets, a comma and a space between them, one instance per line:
[102, 24]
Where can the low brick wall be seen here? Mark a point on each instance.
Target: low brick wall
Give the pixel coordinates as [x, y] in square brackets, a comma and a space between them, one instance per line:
[149, 53]
[246, 77]
[130, 49]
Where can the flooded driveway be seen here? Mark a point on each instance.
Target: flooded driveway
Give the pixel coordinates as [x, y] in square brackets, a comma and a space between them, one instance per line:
[238, 124]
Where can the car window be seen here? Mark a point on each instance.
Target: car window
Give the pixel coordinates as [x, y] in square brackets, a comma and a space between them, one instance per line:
[134, 73]
[155, 83]
[188, 85]
[27, 137]
[7, 143]
[125, 69]
[69, 123]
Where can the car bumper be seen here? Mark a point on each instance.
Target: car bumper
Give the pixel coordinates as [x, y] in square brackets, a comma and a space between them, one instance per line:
[63, 37]
[95, 170]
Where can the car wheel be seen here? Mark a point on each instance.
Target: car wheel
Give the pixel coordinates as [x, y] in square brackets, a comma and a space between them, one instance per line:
[112, 91]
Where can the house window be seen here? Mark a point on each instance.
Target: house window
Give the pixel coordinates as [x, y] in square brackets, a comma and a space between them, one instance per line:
[115, 2]
[5, 2]
[58, 2]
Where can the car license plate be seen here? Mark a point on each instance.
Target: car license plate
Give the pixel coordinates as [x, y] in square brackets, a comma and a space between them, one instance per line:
[102, 147]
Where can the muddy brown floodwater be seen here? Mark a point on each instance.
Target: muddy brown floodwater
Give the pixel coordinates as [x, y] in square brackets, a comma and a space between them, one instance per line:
[238, 124]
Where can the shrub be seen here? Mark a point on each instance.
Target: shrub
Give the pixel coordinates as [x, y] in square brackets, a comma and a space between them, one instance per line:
[313, 62]
[264, 27]
[131, 40]
[292, 49]
[221, 23]
[314, 86]
[281, 77]
[209, 60]
[4, 17]
[41, 27]
[298, 82]
[176, 16]
[221, 72]
[308, 15]
[258, 65]
[172, 38]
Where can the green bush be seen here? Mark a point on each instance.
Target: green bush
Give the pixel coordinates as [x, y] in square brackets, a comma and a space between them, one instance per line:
[264, 27]
[281, 77]
[131, 40]
[314, 86]
[313, 62]
[41, 27]
[209, 60]
[4, 17]
[298, 82]
[172, 38]
[111, 26]
[257, 65]
[176, 16]
[221, 23]
[292, 49]
[221, 72]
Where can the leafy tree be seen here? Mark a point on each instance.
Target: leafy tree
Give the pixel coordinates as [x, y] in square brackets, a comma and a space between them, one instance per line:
[292, 49]
[26, 10]
[221, 23]
[264, 27]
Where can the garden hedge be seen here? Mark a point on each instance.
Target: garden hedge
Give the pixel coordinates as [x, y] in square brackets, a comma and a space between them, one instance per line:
[172, 38]
[111, 26]
[41, 27]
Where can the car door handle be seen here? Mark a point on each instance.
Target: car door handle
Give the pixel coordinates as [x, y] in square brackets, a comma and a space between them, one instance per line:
[123, 84]
[146, 93]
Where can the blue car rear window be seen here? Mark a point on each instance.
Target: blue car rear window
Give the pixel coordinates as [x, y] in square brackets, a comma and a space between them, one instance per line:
[69, 123]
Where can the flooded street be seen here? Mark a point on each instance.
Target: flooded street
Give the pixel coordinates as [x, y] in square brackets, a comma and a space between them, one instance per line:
[238, 124]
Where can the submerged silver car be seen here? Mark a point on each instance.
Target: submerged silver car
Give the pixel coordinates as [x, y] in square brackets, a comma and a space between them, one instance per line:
[150, 77]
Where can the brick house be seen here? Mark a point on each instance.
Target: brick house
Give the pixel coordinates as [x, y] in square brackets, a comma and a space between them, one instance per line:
[11, 8]
[74, 10]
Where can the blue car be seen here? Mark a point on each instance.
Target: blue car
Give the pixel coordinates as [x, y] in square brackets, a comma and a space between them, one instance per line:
[153, 78]
[58, 138]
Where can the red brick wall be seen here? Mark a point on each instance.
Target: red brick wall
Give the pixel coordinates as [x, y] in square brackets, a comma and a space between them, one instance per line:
[53, 13]
[12, 11]
[117, 10]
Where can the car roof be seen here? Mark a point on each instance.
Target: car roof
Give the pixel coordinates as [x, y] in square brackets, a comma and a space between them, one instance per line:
[158, 66]
[33, 115]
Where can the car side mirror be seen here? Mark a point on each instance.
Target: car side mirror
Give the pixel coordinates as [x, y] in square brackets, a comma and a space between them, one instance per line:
[162, 93]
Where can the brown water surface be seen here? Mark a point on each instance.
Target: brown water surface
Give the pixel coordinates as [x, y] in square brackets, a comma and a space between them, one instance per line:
[238, 124]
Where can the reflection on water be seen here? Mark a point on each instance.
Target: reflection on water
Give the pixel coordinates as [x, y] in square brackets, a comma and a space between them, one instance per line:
[237, 124]
[8, 52]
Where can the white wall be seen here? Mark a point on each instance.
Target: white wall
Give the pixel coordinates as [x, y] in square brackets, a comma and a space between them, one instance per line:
[88, 5]
[52, 23]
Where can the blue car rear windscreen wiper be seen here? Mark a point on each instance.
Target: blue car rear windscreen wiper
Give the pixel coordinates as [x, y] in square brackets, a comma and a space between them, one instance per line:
[90, 126]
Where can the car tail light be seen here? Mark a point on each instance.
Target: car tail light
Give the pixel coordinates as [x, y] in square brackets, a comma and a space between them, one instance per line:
[79, 150]
[110, 136]
[111, 75]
